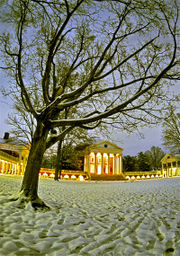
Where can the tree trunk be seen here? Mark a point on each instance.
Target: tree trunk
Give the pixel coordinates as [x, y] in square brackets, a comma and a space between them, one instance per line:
[29, 188]
[58, 161]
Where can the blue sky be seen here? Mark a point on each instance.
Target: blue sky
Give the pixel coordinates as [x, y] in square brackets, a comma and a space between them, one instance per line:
[134, 143]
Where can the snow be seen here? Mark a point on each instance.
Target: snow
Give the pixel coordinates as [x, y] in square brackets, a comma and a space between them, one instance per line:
[93, 218]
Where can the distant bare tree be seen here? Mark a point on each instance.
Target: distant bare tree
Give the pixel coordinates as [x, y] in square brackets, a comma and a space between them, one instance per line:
[171, 133]
[22, 124]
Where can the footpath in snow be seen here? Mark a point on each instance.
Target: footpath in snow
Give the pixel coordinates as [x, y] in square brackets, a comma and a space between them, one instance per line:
[93, 218]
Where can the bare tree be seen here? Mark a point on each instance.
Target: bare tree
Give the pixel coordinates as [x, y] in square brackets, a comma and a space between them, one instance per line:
[171, 133]
[101, 59]
[22, 124]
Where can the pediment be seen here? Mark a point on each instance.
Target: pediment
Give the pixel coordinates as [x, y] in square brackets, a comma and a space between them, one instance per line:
[105, 145]
[168, 156]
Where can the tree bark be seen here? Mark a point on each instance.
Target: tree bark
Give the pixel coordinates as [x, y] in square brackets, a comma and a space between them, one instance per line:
[29, 188]
[58, 161]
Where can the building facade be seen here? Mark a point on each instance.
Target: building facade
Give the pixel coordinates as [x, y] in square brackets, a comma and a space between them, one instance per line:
[13, 156]
[170, 165]
[103, 158]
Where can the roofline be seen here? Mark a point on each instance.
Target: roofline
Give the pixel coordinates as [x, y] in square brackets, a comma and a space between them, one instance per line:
[105, 141]
[172, 156]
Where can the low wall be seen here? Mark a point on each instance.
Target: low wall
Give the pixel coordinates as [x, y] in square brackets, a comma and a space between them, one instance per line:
[143, 175]
[65, 174]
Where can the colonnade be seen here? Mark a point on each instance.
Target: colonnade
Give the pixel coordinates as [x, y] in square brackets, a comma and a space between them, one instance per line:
[7, 167]
[13, 161]
[171, 168]
[103, 163]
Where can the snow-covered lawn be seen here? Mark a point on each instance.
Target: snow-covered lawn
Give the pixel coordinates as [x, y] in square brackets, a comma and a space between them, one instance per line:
[93, 218]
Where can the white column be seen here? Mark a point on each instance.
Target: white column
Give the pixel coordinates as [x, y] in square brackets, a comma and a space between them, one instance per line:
[120, 164]
[108, 164]
[114, 163]
[10, 168]
[85, 163]
[95, 163]
[117, 165]
[2, 166]
[88, 163]
[15, 168]
[5, 167]
[101, 163]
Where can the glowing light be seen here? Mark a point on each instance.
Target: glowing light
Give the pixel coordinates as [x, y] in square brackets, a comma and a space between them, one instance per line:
[174, 171]
[45, 174]
[66, 176]
[138, 177]
[132, 177]
[152, 176]
[148, 176]
[52, 175]
[99, 169]
[81, 178]
[92, 154]
[143, 177]
[156, 176]
[127, 177]
[73, 177]
[91, 168]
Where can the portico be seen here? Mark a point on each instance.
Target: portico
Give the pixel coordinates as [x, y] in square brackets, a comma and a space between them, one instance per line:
[13, 156]
[103, 158]
[170, 165]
